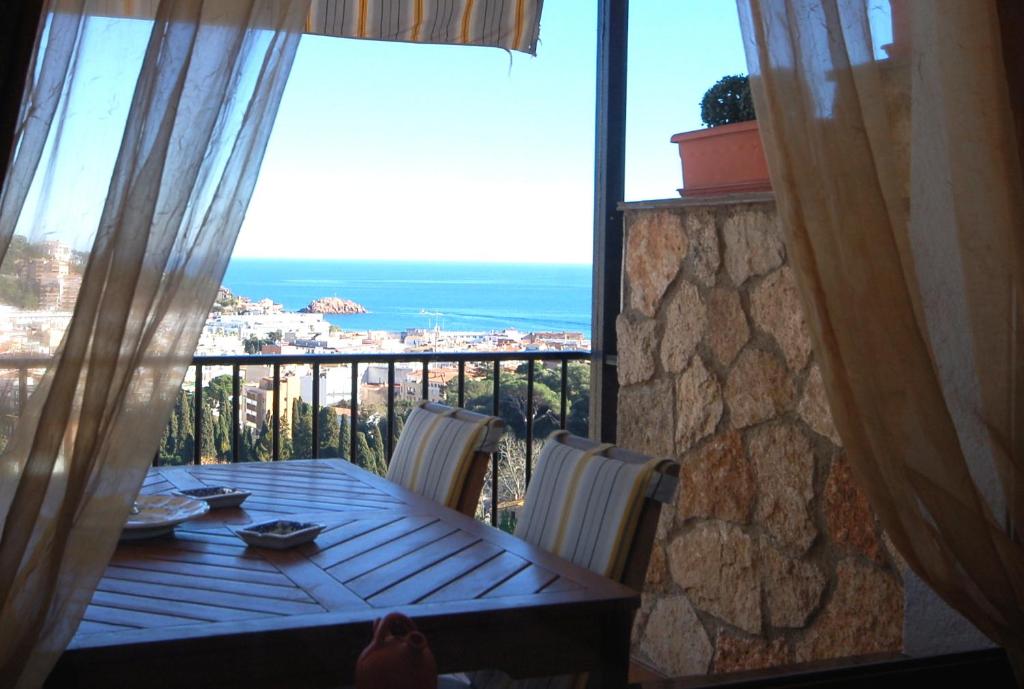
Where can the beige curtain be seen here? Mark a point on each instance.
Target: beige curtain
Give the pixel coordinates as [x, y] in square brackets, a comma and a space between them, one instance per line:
[138, 150]
[896, 170]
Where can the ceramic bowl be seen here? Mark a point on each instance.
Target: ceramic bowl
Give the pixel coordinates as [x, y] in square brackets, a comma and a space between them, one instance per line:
[216, 497]
[280, 533]
[157, 515]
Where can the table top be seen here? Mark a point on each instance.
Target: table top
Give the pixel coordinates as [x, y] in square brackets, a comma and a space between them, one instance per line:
[203, 595]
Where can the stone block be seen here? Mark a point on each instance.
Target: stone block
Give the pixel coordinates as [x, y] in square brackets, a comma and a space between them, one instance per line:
[698, 405]
[792, 588]
[776, 308]
[753, 244]
[848, 516]
[674, 640]
[758, 388]
[686, 319]
[704, 257]
[814, 408]
[645, 418]
[864, 616]
[734, 653]
[727, 330]
[716, 481]
[715, 564]
[637, 340]
[783, 465]
[655, 248]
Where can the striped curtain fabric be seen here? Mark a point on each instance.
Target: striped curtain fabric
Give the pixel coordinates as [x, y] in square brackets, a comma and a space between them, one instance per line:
[584, 506]
[509, 24]
[435, 451]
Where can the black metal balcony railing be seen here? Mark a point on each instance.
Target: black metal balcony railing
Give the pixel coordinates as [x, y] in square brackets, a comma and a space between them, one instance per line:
[275, 361]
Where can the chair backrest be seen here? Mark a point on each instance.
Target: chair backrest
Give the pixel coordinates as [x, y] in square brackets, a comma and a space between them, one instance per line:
[442, 454]
[597, 505]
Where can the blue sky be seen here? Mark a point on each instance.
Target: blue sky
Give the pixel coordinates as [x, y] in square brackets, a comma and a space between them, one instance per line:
[414, 152]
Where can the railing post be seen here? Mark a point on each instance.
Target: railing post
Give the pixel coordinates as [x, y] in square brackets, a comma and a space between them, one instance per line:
[564, 392]
[276, 414]
[236, 422]
[197, 417]
[426, 380]
[389, 442]
[462, 383]
[495, 408]
[353, 408]
[529, 417]
[22, 390]
[315, 418]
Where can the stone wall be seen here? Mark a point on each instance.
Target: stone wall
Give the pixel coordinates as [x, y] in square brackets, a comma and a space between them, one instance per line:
[771, 554]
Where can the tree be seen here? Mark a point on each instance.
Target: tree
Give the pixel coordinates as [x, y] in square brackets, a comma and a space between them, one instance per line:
[511, 480]
[302, 423]
[512, 405]
[285, 448]
[247, 451]
[329, 433]
[209, 448]
[263, 449]
[344, 436]
[377, 439]
[363, 453]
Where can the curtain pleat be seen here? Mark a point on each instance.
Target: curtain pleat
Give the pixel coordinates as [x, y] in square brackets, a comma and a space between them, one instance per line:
[897, 173]
[190, 94]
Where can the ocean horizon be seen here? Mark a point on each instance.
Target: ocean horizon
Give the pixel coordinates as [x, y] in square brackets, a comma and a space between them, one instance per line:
[399, 295]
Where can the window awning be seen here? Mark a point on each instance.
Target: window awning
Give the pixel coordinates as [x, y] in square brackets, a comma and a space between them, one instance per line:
[509, 24]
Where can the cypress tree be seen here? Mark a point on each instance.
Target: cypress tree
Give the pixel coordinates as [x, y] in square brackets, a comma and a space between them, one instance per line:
[209, 448]
[186, 430]
[302, 435]
[285, 447]
[223, 436]
[328, 432]
[364, 456]
[263, 448]
[344, 438]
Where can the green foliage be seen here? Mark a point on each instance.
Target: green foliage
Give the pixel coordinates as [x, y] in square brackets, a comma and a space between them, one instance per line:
[332, 438]
[256, 444]
[302, 425]
[263, 448]
[512, 405]
[728, 102]
[15, 290]
[507, 521]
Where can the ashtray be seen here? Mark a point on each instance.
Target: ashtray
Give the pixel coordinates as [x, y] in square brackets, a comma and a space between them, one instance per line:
[280, 534]
[217, 496]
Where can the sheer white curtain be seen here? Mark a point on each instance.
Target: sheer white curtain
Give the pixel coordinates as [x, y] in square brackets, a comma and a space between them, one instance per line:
[897, 173]
[138, 148]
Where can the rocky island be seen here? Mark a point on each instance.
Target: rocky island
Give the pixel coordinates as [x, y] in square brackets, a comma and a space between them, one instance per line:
[333, 305]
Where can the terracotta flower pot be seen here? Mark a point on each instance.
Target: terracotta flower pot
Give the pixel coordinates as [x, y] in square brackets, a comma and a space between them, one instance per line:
[723, 160]
[397, 658]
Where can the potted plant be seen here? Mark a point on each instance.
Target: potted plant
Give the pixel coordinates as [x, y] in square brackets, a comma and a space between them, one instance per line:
[727, 157]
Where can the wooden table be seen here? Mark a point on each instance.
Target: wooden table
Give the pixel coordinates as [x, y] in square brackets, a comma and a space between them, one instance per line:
[201, 609]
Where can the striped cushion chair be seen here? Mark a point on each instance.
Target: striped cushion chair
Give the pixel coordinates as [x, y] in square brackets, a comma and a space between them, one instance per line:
[442, 454]
[598, 506]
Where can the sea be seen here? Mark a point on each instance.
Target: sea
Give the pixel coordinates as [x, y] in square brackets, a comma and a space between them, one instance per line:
[400, 295]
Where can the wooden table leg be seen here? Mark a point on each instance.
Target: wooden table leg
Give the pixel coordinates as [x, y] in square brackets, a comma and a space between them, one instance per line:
[613, 669]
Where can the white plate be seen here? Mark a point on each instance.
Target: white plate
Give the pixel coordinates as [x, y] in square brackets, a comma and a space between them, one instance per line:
[216, 497]
[159, 514]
